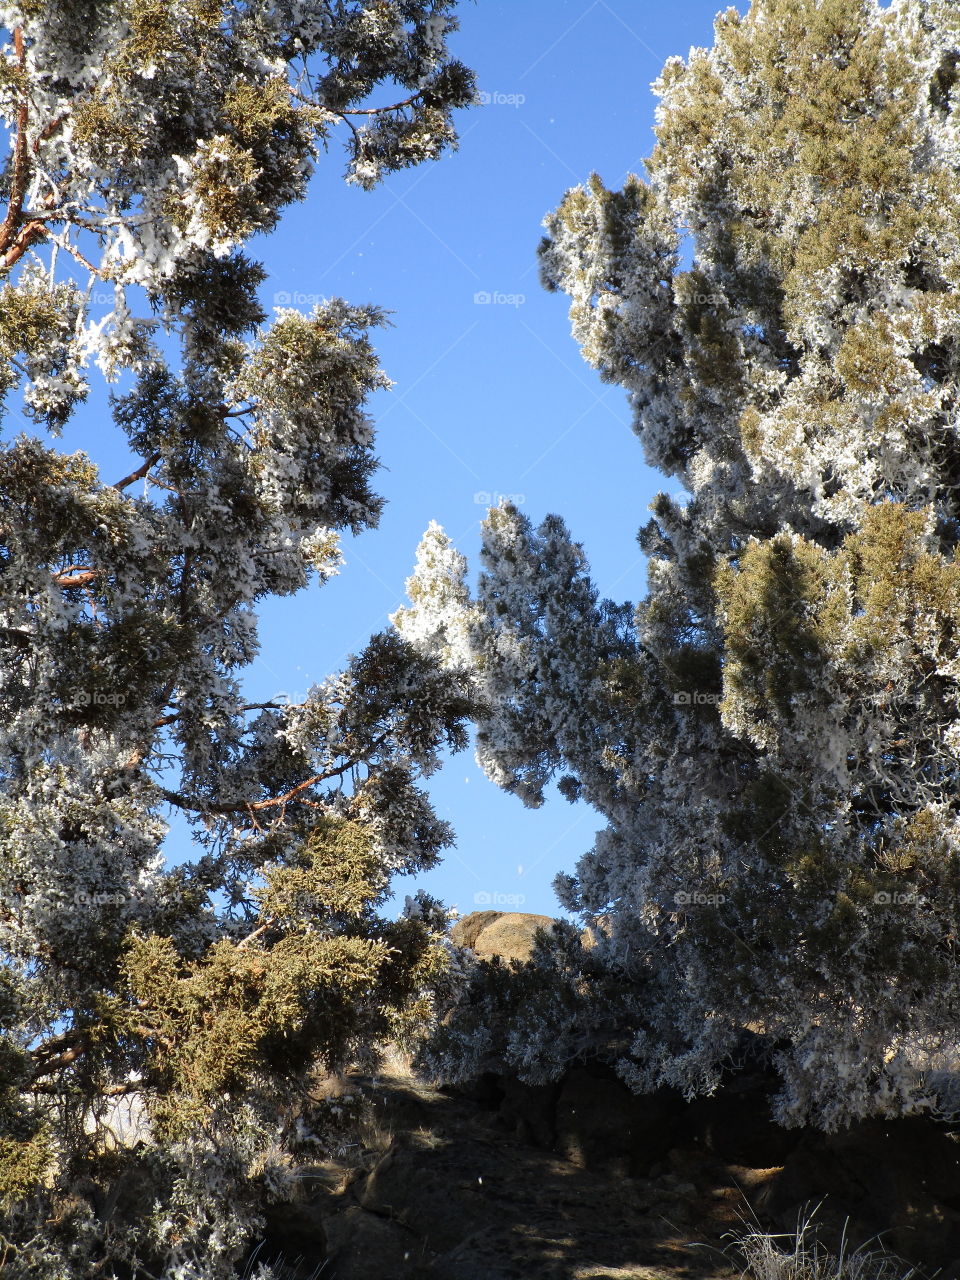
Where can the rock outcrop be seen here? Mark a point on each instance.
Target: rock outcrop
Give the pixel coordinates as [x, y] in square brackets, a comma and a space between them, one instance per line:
[508, 934]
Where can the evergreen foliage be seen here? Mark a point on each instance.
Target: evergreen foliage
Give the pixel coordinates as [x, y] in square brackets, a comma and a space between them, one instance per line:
[772, 739]
[149, 141]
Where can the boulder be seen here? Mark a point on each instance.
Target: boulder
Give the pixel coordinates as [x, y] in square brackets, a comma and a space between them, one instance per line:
[466, 931]
[508, 934]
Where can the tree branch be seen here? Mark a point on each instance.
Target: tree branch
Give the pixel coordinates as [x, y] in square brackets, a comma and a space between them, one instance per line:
[247, 706]
[54, 1046]
[82, 579]
[23, 638]
[359, 111]
[258, 932]
[253, 806]
[21, 159]
[140, 472]
[48, 131]
[64, 1060]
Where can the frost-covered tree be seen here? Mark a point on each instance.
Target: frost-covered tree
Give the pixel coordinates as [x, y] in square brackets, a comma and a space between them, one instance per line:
[148, 142]
[773, 740]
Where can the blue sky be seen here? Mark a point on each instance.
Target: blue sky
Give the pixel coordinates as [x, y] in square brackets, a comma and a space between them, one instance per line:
[491, 395]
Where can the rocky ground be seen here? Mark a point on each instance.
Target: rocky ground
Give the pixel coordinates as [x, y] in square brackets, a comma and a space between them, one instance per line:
[582, 1180]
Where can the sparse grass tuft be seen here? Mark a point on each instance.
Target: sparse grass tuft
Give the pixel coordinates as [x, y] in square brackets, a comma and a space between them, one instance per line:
[800, 1256]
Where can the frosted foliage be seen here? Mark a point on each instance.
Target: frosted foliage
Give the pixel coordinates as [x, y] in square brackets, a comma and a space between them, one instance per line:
[267, 87]
[438, 624]
[771, 737]
[148, 143]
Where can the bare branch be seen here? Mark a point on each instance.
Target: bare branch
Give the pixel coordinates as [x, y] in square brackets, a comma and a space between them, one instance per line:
[258, 932]
[294, 794]
[359, 111]
[21, 160]
[83, 579]
[140, 472]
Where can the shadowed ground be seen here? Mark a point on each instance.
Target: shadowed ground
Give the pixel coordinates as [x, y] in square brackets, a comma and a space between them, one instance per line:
[583, 1181]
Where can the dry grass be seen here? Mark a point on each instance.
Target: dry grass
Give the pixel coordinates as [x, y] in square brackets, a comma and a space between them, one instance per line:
[800, 1256]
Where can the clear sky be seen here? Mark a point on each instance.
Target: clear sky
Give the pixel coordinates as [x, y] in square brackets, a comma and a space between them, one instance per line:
[491, 395]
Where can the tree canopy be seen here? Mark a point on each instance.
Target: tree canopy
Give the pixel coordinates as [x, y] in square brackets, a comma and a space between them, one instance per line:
[149, 142]
[772, 735]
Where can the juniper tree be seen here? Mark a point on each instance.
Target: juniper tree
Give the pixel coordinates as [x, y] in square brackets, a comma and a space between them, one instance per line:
[148, 142]
[773, 738]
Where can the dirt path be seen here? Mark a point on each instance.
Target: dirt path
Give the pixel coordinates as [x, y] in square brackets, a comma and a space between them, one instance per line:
[452, 1196]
